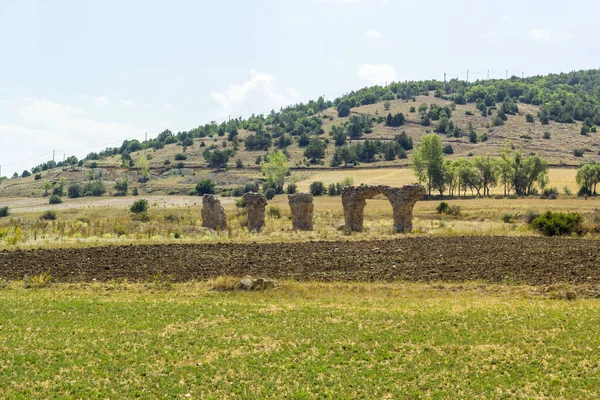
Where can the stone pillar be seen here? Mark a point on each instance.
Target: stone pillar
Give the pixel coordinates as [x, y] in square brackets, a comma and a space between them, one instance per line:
[302, 208]
[213, 215]
[255, 203]
[403, 201]
[354, 200]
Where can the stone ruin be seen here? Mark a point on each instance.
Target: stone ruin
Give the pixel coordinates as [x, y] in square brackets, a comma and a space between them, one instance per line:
[213, 215]
[255, 203]
[354, 199]
[301, 205]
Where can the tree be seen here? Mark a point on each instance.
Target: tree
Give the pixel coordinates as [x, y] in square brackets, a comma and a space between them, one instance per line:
[217, 158]
[428, 163]
[343, 110]
[144, 166]
[315, 150]
[587, 177]
[139, 206]
[121, 186]
[74, 190]
[55, 199]
[348, 155]
[487, 170]
[386, 105]
[47, 187]
[339, 135]
[276, 169]
[205, 186]
[317, 188]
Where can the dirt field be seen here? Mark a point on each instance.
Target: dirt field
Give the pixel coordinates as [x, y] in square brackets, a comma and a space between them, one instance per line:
[534, 261]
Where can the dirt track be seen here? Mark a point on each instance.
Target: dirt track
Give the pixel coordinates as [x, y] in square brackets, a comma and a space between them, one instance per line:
[536, 261]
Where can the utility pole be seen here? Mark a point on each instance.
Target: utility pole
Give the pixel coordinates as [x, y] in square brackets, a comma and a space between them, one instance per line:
[444, 82]
[488, 78]
[522, 75]
[146, 140]
[53, 153]
[467, 75]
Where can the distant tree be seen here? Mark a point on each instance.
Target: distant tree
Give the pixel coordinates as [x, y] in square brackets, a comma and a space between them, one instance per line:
[529, 118]
[55, 199]
[121, 186]
[317, 188]
[428, 163]
[144, 166]
[275, 168]
[386, 105]
[216, 158]
[139, 206]
[343, 110]
[74, 190]
[315, 150]
[339, 135]
[205, 186]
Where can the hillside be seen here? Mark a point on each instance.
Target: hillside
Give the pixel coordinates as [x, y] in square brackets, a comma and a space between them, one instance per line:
[549, 116]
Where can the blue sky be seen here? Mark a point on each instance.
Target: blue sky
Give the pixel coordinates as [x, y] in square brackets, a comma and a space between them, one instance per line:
[78, 75]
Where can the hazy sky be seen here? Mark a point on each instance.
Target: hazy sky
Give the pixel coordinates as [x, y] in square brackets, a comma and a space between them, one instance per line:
[84, 74]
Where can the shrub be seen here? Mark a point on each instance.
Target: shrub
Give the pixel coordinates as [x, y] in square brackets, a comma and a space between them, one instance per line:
[529, 216]
[567, 191]
[412, 109]
[274, 212]
[270, 193]
[139, 206]
[55, 199]
[239, 163]
[74, 190]
[37, 177]
[529, 118]
[332, 190]
[550, 193]
[578, 152]
[317, 188]
[205, 186]
[251, 187]
[171, 218]
[498, 121]
[3, 212]
[468, 112]
[48, 216]
[454, 211]
[546, 135]
[95, 188]
[557, 223]
[180, 157]
[442, 208]
[291, 188]
[134, 191]
[448, 149]
[121, 186]
[473, 137]
[507, 218]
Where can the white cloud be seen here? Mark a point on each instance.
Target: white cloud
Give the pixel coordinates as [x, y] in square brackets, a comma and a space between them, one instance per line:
[377, 74]
[491, 36]
[127, 103]
[259, 94]
[101, 101]
[373, 34]
[169, 106]
[46, 125]
[549, 36]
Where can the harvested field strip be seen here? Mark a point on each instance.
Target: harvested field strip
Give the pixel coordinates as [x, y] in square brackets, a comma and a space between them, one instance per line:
[527, 260]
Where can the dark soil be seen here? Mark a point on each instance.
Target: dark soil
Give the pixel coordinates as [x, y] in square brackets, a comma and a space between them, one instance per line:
[527, 260]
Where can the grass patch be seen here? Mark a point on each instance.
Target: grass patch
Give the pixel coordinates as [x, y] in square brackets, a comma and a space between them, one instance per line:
[301, 341]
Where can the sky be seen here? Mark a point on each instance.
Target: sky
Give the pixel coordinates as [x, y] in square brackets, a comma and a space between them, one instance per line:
[78, 76]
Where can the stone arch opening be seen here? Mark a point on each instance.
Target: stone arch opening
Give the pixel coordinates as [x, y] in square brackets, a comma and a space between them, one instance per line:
[403, 199]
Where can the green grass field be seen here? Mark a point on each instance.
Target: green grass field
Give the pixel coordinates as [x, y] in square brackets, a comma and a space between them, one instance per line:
[297, 341]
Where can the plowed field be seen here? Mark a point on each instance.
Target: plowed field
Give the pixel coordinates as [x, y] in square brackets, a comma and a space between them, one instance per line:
[529, 260]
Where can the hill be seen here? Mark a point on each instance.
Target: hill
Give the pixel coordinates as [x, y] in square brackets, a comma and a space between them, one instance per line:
[553, 116]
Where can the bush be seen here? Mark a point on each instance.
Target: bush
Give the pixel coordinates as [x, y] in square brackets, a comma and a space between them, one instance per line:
[74, 190]
[529, 118]
[448, 149]
[205, 186]
[550, 193]
[239, 163]
[442, 208]
[507, 218]
[567, 191]
[3, 212]
[332, 190]
[139, 206]
[274, 212]
[134, 191]
[121, 186]
[317, 188]
[557, 223]
[270, 193]
[454, 211]
[473, 137]
[48, 216]
[529, 216]
[95, 188]
[412, 109]
[251, 187]
[546, 135]
[180, 157]
[291, 188]
[578, 152]
[55, 199]
[37, 177]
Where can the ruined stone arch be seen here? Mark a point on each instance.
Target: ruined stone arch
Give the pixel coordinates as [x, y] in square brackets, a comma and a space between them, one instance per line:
[403, 199]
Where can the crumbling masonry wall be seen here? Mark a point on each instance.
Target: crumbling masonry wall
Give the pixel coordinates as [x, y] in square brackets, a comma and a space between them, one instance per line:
[213, 214]
[301, 205]
[255, 203]
[403, 199]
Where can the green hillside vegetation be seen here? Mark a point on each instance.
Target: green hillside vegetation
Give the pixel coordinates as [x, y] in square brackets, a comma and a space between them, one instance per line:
[553, 117]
